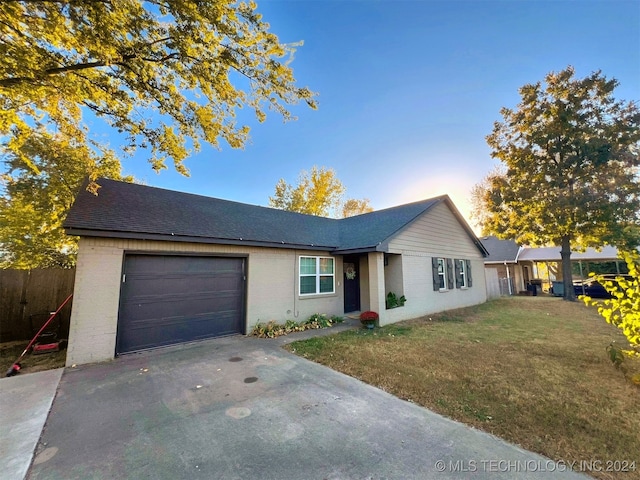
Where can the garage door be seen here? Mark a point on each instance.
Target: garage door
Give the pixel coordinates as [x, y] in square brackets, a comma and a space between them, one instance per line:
[167, 299]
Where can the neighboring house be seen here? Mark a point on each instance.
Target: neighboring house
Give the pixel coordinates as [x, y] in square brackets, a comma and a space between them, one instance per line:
[504, 276]
[509, 268]
[158, 267]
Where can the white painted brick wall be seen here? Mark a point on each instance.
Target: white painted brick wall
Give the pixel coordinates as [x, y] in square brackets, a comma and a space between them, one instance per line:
[271, 290]
[94, 315]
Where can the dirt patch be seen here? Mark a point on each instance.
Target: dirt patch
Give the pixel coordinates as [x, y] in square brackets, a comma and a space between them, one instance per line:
[10, 351]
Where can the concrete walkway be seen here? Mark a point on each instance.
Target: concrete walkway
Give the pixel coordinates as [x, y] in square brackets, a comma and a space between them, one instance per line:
[25, 401]
[243, 408]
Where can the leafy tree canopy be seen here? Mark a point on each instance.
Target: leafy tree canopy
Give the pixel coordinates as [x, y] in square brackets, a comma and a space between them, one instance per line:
[158, 71]
[319, 192]
[570, 153]
[352, 207]
[33, 207]
[165, 74]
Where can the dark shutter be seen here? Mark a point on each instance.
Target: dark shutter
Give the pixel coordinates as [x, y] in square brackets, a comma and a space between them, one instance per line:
[450, 274]
[458, 269]
[468, 273]
[434, 271]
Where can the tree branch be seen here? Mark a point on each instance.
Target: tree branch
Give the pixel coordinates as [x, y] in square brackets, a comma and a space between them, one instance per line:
[12, 81]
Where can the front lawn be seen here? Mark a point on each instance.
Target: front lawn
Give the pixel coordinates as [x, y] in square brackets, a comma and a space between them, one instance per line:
[531, 370]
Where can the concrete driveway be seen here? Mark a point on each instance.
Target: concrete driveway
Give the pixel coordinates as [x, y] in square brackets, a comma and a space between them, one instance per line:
[243, 408]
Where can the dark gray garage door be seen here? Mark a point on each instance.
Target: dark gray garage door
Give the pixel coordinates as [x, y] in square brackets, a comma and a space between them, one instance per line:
[168, 299]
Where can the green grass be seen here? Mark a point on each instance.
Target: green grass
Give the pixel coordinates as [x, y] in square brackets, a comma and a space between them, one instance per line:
[532, 370]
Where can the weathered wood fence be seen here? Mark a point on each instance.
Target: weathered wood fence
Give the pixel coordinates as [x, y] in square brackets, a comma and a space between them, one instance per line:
[28, 297]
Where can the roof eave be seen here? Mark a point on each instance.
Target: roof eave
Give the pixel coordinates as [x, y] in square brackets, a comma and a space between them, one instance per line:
[193, 239]
[349, 251]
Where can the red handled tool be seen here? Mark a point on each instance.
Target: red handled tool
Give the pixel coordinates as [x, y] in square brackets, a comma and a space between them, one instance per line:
[15, 368]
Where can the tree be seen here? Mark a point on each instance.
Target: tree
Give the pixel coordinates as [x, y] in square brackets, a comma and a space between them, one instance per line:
[166, 74]
[318, 192]
[352, 207]
[158, 71]
[571, 154]
[33, 207]
[480, 213]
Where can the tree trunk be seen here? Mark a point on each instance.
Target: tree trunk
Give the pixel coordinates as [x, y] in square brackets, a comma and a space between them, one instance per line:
[567, 277]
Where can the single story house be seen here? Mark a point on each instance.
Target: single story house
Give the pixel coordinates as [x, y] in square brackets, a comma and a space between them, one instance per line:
[504, 275]
[509, 268]
[157, 267]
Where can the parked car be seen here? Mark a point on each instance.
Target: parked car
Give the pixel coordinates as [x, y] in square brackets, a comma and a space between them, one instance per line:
[593, 288]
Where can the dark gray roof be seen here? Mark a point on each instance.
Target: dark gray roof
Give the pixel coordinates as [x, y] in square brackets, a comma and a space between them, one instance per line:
[127, 210]
[500, 250]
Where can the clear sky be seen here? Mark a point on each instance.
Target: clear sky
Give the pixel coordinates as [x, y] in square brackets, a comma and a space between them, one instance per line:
[408, 90]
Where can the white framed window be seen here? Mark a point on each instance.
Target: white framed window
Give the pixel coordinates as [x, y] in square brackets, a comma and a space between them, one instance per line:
[462, 274]
[442, 274]
[317, 275]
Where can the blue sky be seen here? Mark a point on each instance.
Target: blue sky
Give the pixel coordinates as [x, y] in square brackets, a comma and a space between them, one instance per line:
[408, 90]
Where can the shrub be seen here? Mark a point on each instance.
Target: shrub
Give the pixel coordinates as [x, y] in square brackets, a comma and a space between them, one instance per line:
[393, 301]
[272, 329]
[623, 310]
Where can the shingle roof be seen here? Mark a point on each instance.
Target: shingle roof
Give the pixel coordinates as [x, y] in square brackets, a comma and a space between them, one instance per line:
[136, 211]
[500, 250]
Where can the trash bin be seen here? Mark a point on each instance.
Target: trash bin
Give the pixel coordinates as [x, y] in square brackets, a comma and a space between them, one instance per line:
[532, 288]
[558, 288]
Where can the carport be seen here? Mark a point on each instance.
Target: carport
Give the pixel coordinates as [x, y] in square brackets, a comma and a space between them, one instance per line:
[606, 259]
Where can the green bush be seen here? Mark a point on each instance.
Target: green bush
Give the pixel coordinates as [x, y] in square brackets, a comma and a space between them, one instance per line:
[393, 301]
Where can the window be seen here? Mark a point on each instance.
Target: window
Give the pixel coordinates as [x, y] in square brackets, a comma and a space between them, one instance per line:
[442, 274]
[317, 275]
[463, 273]
[461, 280]
[449, 274]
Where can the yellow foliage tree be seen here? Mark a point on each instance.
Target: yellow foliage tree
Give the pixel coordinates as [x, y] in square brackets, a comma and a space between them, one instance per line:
[353, 206]
[318, 192]
[166, 75]
[623, 310]
[160, 72]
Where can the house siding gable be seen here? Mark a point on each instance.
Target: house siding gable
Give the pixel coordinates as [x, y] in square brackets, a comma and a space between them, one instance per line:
[436, 234]
[437, 231]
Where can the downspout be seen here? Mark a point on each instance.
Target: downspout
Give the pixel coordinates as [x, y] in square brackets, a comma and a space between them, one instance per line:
[516, 260]
[295, 281]
[508, 278]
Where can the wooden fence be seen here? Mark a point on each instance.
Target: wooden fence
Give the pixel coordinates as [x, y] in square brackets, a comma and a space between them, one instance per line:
[28, 297]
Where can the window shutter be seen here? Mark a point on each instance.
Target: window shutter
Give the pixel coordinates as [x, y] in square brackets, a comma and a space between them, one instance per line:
[450, 274]
[434, 272]
[469, 284]
[456, 262]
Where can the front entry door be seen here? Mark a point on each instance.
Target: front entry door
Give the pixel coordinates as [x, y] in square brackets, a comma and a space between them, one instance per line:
[351, 284]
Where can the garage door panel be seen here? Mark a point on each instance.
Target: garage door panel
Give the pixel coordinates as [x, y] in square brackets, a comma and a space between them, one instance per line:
[193, 305]
[175, 299]
[151, 333]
